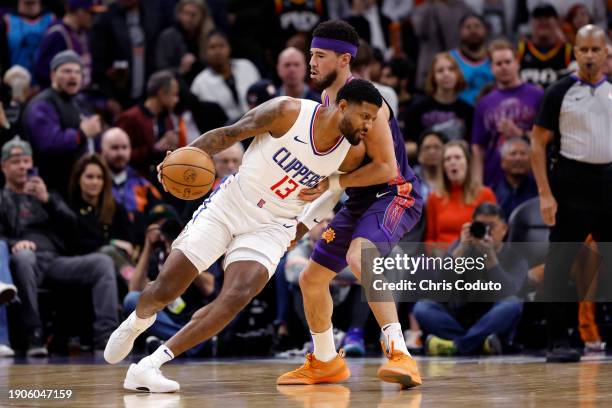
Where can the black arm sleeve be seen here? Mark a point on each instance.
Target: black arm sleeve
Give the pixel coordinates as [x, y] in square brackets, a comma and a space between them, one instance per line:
[550, 107]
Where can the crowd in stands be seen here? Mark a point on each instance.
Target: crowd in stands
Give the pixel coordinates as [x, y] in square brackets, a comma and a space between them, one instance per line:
[93, 93]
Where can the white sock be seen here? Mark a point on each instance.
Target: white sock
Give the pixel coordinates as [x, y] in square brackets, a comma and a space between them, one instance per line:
[324, 347]
[392, 334]
[138, 323]
[159, 357]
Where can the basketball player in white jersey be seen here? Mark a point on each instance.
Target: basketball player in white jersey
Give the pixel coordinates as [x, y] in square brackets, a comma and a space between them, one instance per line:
[251, 218]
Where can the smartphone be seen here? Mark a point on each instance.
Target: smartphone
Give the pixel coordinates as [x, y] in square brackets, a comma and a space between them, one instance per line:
[33, 172]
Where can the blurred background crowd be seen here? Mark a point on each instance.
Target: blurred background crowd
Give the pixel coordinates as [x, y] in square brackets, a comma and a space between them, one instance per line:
[93, 93]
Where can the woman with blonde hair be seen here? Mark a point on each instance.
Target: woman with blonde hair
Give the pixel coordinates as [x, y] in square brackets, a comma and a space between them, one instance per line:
[181, 47]
[452, 203]
[441, 110]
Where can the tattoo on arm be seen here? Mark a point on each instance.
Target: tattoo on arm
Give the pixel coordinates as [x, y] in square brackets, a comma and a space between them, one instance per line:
[253, 123]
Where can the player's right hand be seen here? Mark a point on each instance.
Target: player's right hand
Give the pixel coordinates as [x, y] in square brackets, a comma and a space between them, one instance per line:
[159, 171]
[548, 209]
[300, 231]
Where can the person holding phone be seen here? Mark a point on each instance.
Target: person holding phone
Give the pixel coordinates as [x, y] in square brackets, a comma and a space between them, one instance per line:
[38, 225]
[459, 327]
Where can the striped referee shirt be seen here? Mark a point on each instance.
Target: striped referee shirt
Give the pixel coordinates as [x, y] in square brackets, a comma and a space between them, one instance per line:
[580, 116]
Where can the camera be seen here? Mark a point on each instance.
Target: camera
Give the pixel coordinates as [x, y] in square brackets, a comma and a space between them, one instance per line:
[170, 229]
[479, 229]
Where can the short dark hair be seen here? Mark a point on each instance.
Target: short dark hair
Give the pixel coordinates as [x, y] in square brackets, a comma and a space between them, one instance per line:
[401, 67]
[214, 32]
[489, 209]
[337, 30]
[473, 15]
[430, 132]
[159, 81]
[358, 91]
[544, 11]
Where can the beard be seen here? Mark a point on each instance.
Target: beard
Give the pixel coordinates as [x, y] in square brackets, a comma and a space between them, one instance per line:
[117, 166]
[349, 132]
[326, 81]
[473, 43]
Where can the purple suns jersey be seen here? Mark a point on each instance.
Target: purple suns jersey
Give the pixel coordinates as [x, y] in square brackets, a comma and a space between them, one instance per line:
[405, 186]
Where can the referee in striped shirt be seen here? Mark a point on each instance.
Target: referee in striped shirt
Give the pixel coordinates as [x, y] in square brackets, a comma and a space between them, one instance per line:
[576, 115]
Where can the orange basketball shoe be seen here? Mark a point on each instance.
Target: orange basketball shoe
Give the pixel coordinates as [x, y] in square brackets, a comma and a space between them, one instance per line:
[401, 368]
[315, 372]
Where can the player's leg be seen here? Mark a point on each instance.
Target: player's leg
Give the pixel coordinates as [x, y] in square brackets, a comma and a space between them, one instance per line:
[381, 227]
[328, 258]
[318, 304]
[242, 281]
[183, 264]
[384, 312]
[250, 261]
[175, 277]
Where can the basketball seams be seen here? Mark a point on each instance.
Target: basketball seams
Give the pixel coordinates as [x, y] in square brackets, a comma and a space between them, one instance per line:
[189, 165]
[186, 185]
[178, 166]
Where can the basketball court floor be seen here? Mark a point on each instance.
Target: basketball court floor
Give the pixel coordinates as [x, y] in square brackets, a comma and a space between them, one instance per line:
[515, 381]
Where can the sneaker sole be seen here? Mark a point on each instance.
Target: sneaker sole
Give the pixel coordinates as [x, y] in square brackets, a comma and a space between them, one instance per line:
[128, 385]
[395, 377]
[308, 381]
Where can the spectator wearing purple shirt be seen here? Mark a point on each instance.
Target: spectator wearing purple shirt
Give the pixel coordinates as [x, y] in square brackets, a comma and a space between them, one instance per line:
[55, 124]
[69, 33]
[507, 111]
[517, 185]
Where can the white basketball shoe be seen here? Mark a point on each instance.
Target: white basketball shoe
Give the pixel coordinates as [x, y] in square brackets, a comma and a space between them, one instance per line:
[145, 377]
[120, 343]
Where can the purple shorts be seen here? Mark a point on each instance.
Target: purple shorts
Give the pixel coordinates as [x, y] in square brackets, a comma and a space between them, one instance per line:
[384, 223]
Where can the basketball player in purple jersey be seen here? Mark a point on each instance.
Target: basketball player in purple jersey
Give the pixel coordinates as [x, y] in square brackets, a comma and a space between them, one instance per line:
[378, 215]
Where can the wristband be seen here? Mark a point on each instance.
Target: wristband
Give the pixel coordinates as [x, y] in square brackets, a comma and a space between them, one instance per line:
[334, 183]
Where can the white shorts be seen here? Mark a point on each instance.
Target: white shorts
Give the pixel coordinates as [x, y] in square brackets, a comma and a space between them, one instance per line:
[227, 223]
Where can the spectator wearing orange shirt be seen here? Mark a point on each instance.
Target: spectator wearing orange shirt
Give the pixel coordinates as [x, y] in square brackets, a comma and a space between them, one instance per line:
[453, 202]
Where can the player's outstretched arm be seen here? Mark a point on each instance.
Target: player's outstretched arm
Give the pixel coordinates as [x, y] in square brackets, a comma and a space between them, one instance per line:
[275, 116]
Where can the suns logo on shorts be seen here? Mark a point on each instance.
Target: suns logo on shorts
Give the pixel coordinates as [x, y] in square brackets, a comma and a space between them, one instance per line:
[189, 176]
[329, 235]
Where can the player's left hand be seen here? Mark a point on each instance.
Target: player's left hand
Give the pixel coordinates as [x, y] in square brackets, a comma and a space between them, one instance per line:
[311, 194]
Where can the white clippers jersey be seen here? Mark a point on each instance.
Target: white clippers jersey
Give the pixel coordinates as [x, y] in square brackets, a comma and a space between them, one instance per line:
[274, 170]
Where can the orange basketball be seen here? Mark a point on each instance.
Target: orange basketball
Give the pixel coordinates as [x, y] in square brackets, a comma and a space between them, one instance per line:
[188, 173]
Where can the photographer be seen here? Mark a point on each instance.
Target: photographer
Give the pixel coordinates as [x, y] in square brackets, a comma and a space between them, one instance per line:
[461, 327]
[164, 227]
